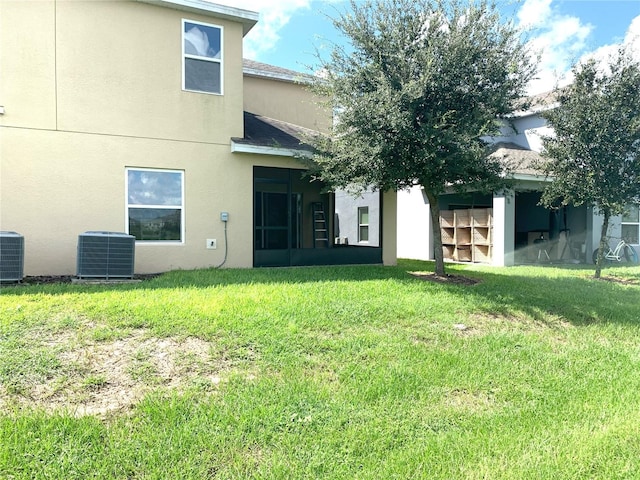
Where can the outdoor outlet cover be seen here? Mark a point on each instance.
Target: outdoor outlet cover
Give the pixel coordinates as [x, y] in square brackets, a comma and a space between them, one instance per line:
[211, 243]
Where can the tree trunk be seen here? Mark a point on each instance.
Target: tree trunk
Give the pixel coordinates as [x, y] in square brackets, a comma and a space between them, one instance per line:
[604, 244]
[434, 209]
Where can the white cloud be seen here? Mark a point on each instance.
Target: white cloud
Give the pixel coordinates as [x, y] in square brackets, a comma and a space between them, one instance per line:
[558, 39]
[534, 13]
[562, 41]
[274, 15]
[632, 38]
[631, 41]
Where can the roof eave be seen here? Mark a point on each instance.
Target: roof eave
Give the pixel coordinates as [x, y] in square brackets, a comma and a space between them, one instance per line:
[299, 78]
[532, 111]
[238, 147]
[530, 177]
[247, 18]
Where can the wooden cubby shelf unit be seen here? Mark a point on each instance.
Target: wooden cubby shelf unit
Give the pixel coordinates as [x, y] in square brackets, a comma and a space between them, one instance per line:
[467, 234]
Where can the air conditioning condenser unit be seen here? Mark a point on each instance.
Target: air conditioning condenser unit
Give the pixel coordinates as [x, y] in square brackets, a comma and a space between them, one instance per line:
[105, 255]
[11, 257]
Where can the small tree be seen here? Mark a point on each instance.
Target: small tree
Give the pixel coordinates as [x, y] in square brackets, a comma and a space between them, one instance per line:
[421, 82]
[593, 157]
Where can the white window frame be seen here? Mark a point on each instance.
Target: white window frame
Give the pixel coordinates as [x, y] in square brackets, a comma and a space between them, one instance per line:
[168, 207]
[198, 57]
[363, 225]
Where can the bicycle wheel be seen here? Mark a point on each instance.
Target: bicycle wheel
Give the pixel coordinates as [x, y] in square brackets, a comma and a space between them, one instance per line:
[594, 257]
[629, 254]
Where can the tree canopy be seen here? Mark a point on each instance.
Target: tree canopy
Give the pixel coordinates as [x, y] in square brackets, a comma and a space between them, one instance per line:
[593, 157]
[417, 88]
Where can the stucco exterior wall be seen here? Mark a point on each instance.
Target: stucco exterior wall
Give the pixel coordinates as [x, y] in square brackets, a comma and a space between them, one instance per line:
[128, 80]
[64, 197]
[287, 101]
[389, 228]
[72, 70]
[347, 206]
[526, 131]
[414, 221]
[27, 64]
[85, 100]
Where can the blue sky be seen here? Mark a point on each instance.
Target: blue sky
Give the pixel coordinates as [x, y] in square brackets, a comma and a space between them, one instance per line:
[564, 31]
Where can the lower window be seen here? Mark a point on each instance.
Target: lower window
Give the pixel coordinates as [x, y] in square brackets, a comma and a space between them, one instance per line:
[363, 224]
[155, 200]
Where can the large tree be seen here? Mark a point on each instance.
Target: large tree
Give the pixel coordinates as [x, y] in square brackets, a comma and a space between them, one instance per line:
[417, 86]
[593, 157]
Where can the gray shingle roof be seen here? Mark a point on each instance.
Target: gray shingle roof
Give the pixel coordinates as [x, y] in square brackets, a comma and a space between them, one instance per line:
[259, 69]
[535, 104]
[262, 131]
[520, 160]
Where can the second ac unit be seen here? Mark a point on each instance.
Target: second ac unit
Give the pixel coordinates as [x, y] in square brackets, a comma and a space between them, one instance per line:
[11, 257]
[105, 255]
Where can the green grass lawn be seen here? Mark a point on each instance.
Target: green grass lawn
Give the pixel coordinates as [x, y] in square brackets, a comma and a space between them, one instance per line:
[360, 372]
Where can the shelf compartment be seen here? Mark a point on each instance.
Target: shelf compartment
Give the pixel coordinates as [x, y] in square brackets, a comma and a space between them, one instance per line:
[447, 235]
[448, 252]
[462, 218]
[463, 236]
[446, 219]
[481, 216]
[463, 254]
[482, 253]
[481, 236]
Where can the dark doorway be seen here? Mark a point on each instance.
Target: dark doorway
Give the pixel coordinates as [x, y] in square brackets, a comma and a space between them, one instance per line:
[562, 231]
[294, 223]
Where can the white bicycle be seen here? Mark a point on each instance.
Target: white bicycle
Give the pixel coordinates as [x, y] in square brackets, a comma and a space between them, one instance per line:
[623, 253]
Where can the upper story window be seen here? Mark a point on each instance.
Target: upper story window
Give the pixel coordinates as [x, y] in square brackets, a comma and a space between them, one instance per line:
[155, 205]
[201, 57]
[631, 224]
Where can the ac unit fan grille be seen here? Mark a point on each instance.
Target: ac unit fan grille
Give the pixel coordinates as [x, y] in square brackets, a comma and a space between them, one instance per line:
[105, 255]
[11, 257]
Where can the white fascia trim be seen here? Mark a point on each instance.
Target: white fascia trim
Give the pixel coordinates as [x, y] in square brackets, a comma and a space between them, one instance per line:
[248, 18]
[531, 177]
[254, 72]
[533, 111]
[260, 150]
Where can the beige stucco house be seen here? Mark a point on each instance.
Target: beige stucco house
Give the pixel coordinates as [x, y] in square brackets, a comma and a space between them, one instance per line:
[141, 117]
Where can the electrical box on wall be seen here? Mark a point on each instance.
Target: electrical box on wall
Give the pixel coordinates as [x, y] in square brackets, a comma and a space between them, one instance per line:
[224, 216]
[212, 243]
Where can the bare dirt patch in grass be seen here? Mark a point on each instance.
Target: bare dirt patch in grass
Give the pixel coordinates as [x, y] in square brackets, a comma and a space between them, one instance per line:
[446, 278]
[59, 279]
[480, 324]
[469, 401]
[109, 377]
[622, 280]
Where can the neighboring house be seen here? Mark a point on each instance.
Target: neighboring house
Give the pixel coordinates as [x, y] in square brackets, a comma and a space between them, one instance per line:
[517, 221]
[139, 116]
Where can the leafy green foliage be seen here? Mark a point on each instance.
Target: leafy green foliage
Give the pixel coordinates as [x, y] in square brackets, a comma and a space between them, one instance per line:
[594, 155]
[421, 83]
